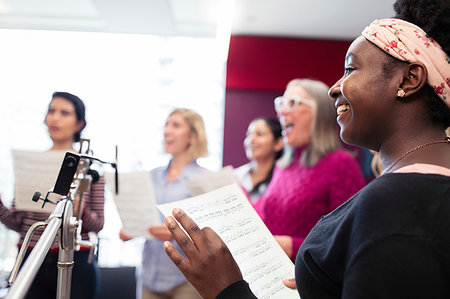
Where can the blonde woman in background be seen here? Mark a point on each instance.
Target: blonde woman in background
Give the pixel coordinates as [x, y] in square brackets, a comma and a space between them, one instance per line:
[185, 141]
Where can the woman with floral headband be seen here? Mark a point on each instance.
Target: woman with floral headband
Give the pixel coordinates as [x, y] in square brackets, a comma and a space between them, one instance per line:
[391, 240]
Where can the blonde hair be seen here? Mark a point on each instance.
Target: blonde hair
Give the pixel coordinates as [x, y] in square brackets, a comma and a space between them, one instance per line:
[198, 147]
[376, 165]
[324, 135]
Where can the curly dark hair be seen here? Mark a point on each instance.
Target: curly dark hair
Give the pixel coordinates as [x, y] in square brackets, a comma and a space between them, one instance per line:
[432, 17]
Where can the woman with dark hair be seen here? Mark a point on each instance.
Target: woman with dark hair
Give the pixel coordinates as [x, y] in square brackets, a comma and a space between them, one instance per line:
[390, 240]
[80, 111]
[263, 146]
[65, 121]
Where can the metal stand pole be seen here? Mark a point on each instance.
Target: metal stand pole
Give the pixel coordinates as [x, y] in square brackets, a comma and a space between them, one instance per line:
[29, 270]
[61, 219]
[66, 252]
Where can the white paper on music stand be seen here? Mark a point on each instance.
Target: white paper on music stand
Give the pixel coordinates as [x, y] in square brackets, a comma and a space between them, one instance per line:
[135, 202]
[206, 182]
[228, 212]
[35, 171]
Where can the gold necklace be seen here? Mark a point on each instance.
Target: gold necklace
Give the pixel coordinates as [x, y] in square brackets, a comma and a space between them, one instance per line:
[446, 140]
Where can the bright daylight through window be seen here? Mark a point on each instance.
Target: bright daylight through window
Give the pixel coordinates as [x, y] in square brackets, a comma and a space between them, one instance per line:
[129, 84]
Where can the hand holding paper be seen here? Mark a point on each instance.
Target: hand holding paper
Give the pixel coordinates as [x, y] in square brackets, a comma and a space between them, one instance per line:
[124, 236]
[207, 255]
[135, 203]
[239, 232]
[160, 232]
[290, 283]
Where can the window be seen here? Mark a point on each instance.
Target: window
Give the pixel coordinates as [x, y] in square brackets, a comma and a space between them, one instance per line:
[129, 84]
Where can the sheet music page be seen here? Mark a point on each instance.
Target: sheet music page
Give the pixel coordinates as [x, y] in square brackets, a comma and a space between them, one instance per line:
[262, 261]
[135, 202]
[35, 171]
[203, 183]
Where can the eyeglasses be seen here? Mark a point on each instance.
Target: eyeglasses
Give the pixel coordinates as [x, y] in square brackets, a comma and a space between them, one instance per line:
[291, 103]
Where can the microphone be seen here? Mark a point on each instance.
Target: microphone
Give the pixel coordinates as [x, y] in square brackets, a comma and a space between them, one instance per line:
[36, 196]
[66, 173]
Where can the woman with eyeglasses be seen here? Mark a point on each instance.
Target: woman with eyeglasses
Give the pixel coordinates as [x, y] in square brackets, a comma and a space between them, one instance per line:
[314, 176]
[390, 240]
[263, 146]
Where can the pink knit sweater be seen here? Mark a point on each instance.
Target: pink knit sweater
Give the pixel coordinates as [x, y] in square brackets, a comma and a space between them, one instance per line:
[298, 196]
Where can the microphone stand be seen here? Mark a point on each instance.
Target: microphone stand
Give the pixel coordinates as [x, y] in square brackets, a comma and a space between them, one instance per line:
[62, 219]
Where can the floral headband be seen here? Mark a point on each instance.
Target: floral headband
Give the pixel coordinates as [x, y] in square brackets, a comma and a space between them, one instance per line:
[407, 42]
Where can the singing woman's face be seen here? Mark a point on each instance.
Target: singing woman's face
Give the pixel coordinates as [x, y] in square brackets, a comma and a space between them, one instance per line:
[177, 135]
[297, 123]
[61, 120]
[260, 142]
[363, 96]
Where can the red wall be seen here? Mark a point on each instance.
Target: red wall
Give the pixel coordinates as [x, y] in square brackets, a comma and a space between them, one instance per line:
[259, 68]
[268, 63]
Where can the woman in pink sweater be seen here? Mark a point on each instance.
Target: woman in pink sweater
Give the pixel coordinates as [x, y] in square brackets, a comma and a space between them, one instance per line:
[315, 175]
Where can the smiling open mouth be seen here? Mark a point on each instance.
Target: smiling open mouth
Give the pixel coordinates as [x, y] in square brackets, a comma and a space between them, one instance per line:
[342, 109]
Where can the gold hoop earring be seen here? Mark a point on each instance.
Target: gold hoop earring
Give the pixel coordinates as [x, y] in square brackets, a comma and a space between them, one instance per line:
[401, 93]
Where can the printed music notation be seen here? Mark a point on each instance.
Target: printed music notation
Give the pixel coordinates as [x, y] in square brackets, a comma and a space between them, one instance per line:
[262, 261]
[136, 203]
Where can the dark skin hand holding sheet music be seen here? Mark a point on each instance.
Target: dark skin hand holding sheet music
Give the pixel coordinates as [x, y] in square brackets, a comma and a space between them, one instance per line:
[207, 256]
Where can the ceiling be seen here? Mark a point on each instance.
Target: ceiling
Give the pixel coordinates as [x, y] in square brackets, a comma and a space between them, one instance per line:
[335, 19]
